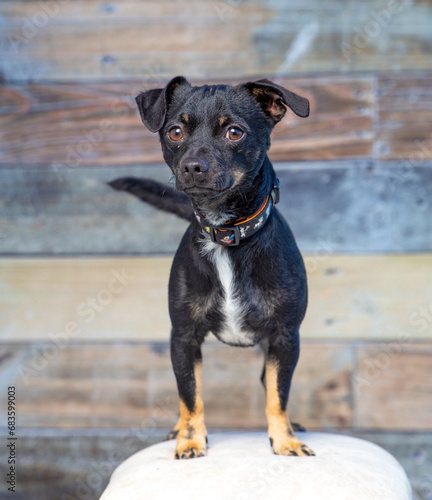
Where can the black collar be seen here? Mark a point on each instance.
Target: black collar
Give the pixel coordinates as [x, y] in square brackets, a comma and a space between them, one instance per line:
[232, 233]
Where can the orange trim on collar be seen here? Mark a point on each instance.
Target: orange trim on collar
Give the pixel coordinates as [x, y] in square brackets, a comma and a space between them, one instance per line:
[242, 221]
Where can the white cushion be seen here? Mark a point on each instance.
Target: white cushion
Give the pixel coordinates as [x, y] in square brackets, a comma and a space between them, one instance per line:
[242, 466]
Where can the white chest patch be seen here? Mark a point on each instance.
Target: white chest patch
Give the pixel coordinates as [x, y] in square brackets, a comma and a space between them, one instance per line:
[232, 332]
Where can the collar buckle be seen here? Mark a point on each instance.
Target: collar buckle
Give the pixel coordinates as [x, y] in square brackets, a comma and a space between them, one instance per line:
[226, 241]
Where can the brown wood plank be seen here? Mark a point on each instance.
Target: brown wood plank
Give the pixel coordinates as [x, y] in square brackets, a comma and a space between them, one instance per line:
[130, 385]
[93, 124]
[355, 297]
[392, 386]
[404, 105]
[340, 124]
[90, 124]
[121, 385]
[68, 125]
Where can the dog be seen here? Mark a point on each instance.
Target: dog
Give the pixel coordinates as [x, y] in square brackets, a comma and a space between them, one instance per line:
[238, 272]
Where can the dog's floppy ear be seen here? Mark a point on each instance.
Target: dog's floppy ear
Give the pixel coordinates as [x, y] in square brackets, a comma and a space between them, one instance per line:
[273, 98]
[153, 104]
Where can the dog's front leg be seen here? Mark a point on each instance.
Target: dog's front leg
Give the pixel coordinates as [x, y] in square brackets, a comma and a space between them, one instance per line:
[279, 368]
[190, 429]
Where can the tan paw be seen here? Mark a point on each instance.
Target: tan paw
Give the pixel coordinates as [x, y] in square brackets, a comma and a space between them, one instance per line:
[291, 447]
[190, 448]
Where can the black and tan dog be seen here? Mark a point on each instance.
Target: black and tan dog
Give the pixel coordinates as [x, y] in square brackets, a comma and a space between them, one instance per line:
[237, 272]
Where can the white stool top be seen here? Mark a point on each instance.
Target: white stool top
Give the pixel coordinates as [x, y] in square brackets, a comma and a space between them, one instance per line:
[242, 466]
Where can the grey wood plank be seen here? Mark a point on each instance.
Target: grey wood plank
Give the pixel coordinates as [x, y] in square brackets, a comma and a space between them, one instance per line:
[413, 450]
[74, 211]
[65, 464]
[333, 207]
[56, 462]
[359, 207]
[257, 37]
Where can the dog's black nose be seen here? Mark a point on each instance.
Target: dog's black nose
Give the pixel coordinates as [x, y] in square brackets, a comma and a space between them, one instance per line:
[195, 168]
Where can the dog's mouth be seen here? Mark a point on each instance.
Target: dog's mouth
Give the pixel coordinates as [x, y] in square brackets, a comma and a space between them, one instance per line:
[196, 190]
[207, 192]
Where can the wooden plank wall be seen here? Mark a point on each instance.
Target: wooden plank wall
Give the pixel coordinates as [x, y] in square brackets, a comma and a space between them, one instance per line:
[359, 170]
[356, 183]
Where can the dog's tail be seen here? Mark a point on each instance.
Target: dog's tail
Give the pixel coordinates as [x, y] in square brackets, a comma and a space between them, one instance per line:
[157, 195]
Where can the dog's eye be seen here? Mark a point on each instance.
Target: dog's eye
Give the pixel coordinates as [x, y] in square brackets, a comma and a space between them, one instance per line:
[175, 133]
[234, 134]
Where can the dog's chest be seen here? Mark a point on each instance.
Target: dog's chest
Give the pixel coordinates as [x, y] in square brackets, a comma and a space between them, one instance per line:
[232, 307]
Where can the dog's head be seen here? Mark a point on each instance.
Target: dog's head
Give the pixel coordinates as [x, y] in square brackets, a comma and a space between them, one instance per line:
[215, 138]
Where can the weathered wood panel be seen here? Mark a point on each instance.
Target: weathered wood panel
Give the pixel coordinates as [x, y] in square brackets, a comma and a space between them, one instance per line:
[71, 125]
[368, 297]
[393, 385]
[93, 39]
[74, 211]
[66, 126]
[132, 385]
[340, 124]
[105, 298]
[336, 385]
[357, 207]
[404, 108]
[331, 207]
